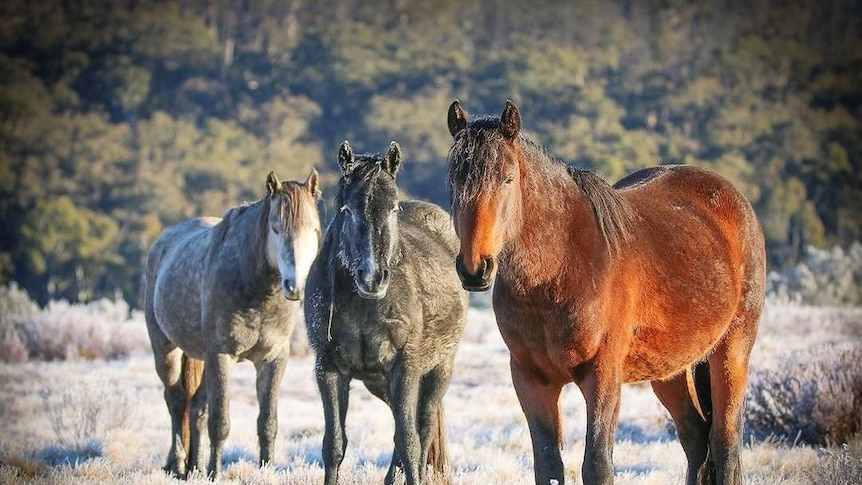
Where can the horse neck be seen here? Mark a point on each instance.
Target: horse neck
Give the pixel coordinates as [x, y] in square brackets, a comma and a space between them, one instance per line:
[559, 234]
[246, 231]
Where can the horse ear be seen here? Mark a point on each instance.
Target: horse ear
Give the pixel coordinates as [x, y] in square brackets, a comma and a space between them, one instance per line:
[510, 120]
[313, 184]
[457, 118]
[392, 160]
[345, 157]
[272, 183]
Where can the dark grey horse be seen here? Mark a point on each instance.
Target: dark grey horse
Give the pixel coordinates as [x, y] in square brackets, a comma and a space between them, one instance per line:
[223, 290]
[385, 306]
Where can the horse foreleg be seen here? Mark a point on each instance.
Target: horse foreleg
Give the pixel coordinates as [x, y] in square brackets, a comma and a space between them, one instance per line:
[382, 393]
[601, 389]
[693, 430]
[404, 392]
[216, 377]
[334, 395]
[269, 376]
[540, 402]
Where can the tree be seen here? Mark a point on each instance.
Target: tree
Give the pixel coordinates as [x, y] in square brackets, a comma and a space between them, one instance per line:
[66, 248]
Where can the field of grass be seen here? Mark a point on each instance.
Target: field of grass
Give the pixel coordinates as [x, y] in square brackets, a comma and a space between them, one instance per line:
[104, 421]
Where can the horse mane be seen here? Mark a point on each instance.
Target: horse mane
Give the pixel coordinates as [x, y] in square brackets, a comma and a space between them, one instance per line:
[479, 142]
[614, 215]
[256, 238]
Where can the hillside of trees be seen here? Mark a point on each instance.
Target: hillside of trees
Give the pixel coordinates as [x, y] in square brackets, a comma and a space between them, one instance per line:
[119, 118]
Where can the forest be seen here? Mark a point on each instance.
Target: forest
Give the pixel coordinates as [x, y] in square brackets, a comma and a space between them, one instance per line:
[119, 118]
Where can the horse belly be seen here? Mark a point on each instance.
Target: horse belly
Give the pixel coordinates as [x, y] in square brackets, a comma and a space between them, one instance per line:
[658, 354]
[177, 308]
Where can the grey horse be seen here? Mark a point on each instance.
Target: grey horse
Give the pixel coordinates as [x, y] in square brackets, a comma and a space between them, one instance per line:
[223, 290]
[385, 306]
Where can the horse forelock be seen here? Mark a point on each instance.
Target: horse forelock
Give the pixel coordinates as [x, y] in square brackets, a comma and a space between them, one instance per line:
[365, 180]
[368, 168]
[297, 208]
[474, 159]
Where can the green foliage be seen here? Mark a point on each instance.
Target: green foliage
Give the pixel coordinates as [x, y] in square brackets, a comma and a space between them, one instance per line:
[57, 239]
[121, 118]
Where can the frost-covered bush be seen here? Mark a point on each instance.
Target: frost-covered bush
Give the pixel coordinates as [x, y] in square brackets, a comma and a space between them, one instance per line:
[102, 329]
[15, 308]
[837, 467]
[83, 414]
[813, 396]
[826, 277]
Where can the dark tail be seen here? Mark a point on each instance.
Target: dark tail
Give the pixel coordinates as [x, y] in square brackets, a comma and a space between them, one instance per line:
[438, 453]
[703, 392]
[192, 374]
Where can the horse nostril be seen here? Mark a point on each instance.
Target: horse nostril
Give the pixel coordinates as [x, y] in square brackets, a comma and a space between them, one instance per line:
[481, 279]
[487, 268]
[384, 276]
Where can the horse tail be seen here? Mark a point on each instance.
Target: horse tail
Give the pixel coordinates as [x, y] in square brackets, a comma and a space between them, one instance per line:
[697, 378]
[438, 452]
[192, 375]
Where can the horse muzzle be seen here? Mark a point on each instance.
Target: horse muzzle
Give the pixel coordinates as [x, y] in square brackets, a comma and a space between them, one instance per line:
[480, 280]
[372, 285]
[291, 291]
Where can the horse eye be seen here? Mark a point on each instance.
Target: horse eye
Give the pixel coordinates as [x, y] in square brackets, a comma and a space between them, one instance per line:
[509, 180]
[276, 229]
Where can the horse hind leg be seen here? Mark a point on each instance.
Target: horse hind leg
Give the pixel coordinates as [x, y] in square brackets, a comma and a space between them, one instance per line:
[168, 367]
[692, 421]
[168, 363]
[728, 376]
[432, 426]
[194, 417]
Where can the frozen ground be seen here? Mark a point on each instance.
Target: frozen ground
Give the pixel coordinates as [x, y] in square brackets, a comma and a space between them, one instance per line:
[49, 411]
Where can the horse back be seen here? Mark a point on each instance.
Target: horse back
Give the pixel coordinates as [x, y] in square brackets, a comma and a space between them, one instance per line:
[431, 219]
[671, 195]
[185, 243]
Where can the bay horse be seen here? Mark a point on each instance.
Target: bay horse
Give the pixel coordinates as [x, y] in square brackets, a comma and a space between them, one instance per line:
[659, 278]
[223, 290]
[385, 306]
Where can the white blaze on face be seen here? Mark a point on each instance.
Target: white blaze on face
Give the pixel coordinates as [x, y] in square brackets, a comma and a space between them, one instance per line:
[305, 248]
[278, 256]
[292, 256]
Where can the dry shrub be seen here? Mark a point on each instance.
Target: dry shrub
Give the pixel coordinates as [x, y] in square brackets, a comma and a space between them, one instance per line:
[15, 308]
[83, 416]
[101, 329]
[837, 467]
[21, 467]
[813, 396]
[826, 277]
